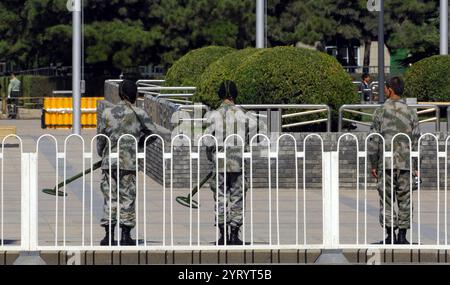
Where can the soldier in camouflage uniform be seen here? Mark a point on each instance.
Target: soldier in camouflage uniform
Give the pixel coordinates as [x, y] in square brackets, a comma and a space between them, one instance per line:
[117, 121]
[227, 120]
[392, 118]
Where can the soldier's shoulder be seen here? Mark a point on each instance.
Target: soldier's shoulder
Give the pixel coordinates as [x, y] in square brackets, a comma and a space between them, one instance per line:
[114, 111]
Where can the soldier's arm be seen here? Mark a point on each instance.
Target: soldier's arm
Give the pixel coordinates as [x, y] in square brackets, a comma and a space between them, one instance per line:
[374, 146]
[101, 140]
[148, 129]
[148, 123]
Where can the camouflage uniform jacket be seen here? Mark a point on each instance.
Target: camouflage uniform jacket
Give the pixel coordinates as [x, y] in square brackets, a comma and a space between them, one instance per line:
[228, 120]
[390, 119]
[115, 122]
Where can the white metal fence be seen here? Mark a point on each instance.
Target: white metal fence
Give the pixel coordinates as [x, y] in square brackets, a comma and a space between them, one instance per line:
[274, 218]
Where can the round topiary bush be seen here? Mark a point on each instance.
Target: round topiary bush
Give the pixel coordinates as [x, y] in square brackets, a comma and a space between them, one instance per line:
[428, 80]
[188, 69]
[222, 69]
[283, 75]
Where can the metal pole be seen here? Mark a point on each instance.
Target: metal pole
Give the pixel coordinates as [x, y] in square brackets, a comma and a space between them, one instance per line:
[448, 119]
[444, 27]
[76, 67]
[381, 52]
[260, 24]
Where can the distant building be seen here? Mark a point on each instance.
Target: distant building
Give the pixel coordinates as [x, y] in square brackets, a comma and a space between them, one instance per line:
[353, 60]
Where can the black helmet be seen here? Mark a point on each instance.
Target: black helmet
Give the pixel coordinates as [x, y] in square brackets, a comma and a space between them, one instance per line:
[227, 90]
[128, 91]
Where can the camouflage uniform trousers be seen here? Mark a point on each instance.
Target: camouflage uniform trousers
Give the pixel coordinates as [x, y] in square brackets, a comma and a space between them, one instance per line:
[234, 197]
[127, 196]
[402, 198]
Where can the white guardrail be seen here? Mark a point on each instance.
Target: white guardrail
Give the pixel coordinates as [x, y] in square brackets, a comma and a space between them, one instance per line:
[274, 217]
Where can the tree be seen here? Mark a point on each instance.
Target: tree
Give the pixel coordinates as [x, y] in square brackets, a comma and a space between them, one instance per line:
[409, 24]
[413, 25]
[119, 33]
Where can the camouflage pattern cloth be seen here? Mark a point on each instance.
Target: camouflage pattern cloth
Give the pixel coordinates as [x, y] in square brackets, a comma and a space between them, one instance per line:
[127, 197]
[390, 119]
[227, 120]
[234, 198]
[402, 199]
[115, 122]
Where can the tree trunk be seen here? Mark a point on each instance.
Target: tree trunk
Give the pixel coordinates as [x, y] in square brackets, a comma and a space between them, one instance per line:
[367, 45]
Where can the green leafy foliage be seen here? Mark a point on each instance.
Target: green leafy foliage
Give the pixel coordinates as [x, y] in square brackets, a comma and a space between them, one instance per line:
[428, 80]
[280, 75]
[288, 75]
[222, 69]
[119, 33]
[188, 69]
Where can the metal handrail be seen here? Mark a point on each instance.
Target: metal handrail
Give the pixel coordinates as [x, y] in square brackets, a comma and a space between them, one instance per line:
[173, 97]
[352, 109]
[316, 108]
[62, 92]
[167, 88]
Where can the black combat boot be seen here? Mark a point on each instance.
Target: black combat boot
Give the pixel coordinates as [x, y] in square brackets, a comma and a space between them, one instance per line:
[105, 240]
[126, 236]
[234, 236]
[402, 237]
[221, 240]
[389, 239]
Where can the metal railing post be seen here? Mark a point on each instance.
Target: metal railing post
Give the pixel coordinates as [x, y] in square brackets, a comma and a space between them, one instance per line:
[438, 119]
[448, 119]
[330, 186]
[330, 193]
[29, 212]
[329, 119]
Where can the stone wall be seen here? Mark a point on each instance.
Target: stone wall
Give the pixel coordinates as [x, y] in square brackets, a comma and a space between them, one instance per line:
[286, 163]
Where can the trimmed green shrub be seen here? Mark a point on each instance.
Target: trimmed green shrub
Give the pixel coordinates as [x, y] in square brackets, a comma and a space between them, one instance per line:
[428, 80]
[188, 69]
[222, 69]
[282, 75]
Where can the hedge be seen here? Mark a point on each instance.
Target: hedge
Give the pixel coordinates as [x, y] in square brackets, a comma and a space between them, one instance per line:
[282, 75]
[428, 80]
[222, 69]
[188, 69]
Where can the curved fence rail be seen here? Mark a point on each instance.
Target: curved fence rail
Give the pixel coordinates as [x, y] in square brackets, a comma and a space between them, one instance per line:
[273, 217]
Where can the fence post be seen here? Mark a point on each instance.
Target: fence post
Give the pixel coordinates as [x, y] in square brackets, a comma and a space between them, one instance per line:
[330, 196]
[29, 212]
[448, 119]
